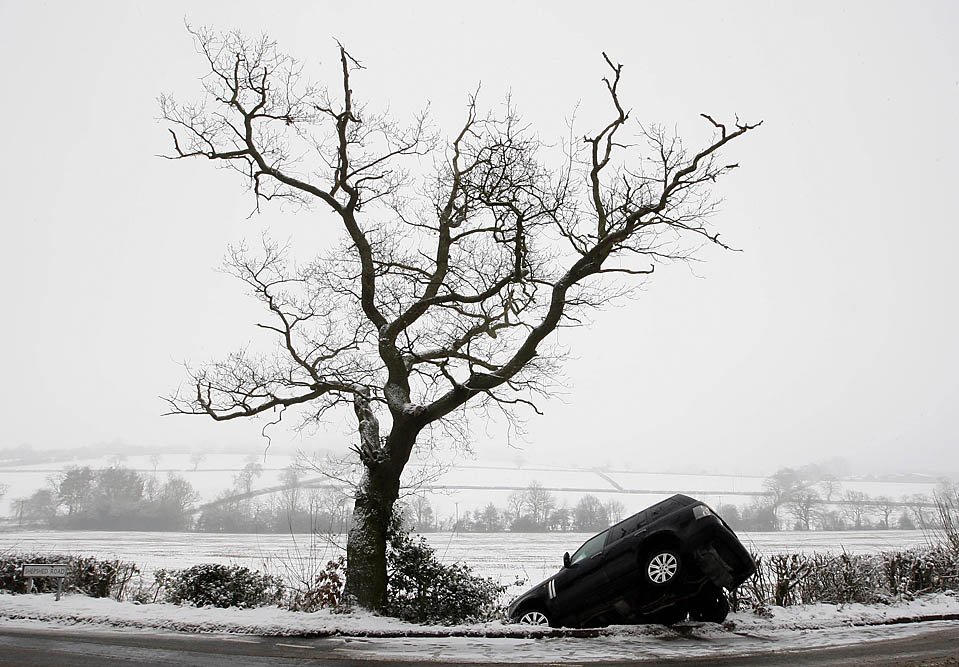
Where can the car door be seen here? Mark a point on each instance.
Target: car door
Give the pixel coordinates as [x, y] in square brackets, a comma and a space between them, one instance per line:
[576, 591]
[621, 551]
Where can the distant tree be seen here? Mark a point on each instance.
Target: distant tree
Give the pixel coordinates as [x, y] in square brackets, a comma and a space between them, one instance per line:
[560, 518]
[489, 519]
[832, 520]
[918, 505]
[855, 506]
[116, 486]
[117, 501]
[449, 285]
[885, 507]
[731, 515]
[589, 514]
[290, 495]
[422, 513]
[196, 458]
[225, 515]
[171, 506]
[3, 489]
[515, 507]
[463, 522]
[783, 487]
[155, 462]
[75, 488]
[246, 478]
[540, 503]
[803, 506]
[760, 515]
[830, 487]
[41, 507]
[614, 510]
[330, 508]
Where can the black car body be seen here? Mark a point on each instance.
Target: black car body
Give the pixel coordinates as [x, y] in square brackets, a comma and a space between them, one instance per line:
[671, 560]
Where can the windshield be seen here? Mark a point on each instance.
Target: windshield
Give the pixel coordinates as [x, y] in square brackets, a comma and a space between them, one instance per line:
[591, 547]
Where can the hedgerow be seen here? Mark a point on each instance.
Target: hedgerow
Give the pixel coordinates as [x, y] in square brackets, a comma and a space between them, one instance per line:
[790, 579]
[421, 589]
[89, 576]
[215, 585]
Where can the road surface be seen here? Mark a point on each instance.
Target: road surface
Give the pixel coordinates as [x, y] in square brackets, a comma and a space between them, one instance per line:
[937, 645]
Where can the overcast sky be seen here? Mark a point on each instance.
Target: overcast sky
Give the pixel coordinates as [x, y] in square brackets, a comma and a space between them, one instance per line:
[834, 332]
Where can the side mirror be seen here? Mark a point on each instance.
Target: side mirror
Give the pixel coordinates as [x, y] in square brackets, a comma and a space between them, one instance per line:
[566, 559]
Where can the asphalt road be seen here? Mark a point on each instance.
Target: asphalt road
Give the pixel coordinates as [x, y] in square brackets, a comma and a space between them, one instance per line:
[937, 646]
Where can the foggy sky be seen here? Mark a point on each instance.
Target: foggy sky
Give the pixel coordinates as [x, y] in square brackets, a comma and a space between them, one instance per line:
[832, 334]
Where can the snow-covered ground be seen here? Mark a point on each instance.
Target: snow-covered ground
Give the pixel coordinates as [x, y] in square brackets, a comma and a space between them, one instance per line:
[787, 629]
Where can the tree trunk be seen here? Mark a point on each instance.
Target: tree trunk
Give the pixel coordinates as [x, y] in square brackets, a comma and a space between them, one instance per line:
[366, 542]
[377, 491]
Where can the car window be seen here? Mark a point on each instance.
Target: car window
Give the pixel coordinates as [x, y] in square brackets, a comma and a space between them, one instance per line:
[591, 547]
[625, 527]
[663, 508]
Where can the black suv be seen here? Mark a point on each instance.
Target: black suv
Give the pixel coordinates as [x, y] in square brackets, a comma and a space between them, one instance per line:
[671, 560]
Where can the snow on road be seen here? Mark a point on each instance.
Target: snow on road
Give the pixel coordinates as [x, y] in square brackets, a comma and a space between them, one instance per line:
[790, 628]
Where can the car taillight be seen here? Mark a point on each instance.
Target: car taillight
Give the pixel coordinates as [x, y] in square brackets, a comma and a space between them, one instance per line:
[701, 511]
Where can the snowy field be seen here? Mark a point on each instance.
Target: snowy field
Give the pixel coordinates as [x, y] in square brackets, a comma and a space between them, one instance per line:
[505, 556]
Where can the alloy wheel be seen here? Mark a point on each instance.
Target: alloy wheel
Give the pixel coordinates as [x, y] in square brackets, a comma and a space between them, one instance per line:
[534, 618]
[662, 567]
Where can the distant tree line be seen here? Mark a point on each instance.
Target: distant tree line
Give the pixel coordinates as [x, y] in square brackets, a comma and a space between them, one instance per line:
[293, 509]
[809, 498]
[118, 498]
[112, 498]
[532, 510]
[794, 499]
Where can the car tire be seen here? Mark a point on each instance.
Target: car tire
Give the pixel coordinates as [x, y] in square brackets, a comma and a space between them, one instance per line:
[661, 566]
[710, 606]
[534, 616]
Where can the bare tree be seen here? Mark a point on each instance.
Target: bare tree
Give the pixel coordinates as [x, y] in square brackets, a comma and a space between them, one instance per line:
[614, 510]
[830, 487]
[885, 507]
[291, 494]
[918, 506]
[448, 285]
[540, 502]
[246, 478]
[782, 488]
[196, 458]
[803, 506]
[855, 507]
[422, 511]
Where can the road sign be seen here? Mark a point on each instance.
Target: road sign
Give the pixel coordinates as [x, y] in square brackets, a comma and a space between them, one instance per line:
[53, 570]
[44, 570]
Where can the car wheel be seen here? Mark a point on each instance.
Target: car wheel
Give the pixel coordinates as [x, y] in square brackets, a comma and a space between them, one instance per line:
[661, 567]
[534, 617]
[710, 606]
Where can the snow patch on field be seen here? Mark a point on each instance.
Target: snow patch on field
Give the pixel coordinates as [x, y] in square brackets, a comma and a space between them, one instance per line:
[789, 628]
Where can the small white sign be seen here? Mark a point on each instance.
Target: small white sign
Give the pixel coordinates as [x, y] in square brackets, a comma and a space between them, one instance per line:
[44, 570]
